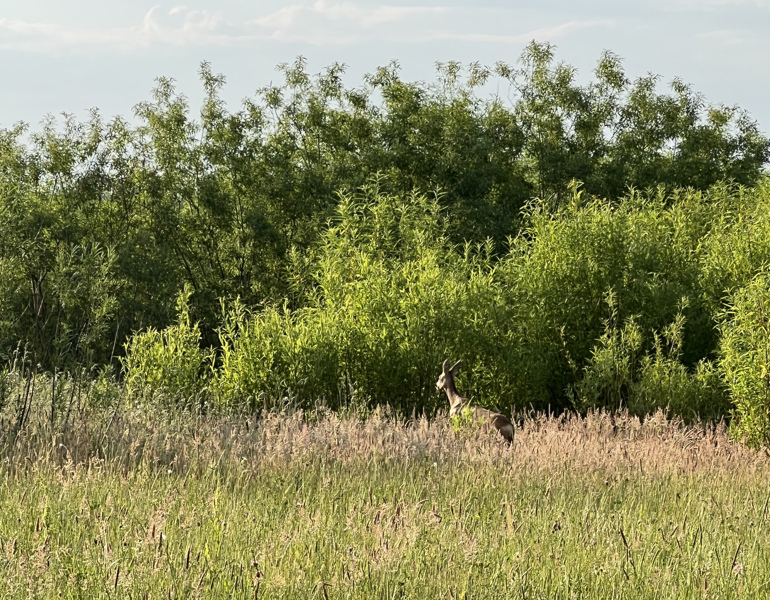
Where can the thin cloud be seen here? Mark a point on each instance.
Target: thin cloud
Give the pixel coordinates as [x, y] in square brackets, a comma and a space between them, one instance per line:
[736, 37]
[729, 37]
[179, 27]
[714, 4]
[543, 34]
[322, 23]
[369, 16]
[177, 10]
[347, 23]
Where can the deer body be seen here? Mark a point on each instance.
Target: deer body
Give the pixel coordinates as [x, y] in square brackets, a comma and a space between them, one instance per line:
[459, 405]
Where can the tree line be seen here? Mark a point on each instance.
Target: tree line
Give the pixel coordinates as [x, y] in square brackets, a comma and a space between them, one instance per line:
[236, 217]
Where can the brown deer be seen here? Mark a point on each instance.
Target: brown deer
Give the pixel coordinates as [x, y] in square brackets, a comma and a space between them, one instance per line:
[459, 405]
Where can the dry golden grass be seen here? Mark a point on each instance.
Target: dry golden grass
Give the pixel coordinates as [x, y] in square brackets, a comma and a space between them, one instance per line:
[613, 443]
[135, 503]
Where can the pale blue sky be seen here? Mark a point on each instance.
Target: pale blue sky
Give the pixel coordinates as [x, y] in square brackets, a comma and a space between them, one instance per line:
[71, 55]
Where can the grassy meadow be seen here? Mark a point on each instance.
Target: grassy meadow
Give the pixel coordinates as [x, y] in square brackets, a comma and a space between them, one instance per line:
[215, 322]
[134, 504]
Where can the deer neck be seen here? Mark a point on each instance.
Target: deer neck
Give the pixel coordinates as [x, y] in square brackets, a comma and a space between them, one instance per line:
[456, 401]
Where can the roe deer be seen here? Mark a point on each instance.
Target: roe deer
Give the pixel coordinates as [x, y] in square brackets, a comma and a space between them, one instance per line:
[460, 405]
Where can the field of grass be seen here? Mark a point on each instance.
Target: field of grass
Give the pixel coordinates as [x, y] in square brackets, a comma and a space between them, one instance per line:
[127, 504]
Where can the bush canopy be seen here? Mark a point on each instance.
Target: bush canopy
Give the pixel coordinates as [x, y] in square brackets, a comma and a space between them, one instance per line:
[578, 245]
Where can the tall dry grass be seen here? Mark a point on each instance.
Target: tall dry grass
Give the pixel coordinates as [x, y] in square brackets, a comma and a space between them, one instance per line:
[614, 443]
[121, 502]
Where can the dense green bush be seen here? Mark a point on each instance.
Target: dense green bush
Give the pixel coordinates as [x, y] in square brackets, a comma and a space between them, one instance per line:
[620, 373]
[103, 223]
[745, 358]
[595, 305]
[736, 246]
[643, 253]
[391, 299]
[336, 244]
[170, 361]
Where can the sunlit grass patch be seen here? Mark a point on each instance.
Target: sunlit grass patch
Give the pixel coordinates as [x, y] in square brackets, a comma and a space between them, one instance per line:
[296, 506]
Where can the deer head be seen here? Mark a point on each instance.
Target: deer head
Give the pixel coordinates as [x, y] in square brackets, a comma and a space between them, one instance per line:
[447, 379]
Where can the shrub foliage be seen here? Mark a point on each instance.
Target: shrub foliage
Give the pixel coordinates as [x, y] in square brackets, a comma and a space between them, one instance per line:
[579, 246]
[595, 305]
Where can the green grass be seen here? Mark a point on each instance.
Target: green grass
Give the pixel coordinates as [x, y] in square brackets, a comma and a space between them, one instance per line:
[131, 506]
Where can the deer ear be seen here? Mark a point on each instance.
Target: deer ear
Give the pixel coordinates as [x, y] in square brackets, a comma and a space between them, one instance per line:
[456, 367]
[445, 366]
